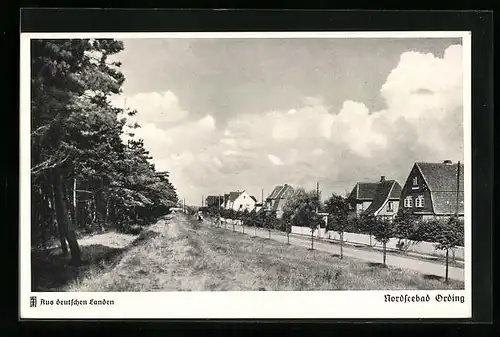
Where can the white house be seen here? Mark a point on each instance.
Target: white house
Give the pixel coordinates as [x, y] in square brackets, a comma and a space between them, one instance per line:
[239, 201]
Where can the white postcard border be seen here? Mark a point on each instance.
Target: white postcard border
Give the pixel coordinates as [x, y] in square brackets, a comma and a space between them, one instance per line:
[290, 304]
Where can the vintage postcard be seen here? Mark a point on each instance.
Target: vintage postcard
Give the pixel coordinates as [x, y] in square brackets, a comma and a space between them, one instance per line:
[245, 175]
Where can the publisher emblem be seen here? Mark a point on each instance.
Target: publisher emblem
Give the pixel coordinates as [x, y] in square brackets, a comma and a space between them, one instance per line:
[33, 302]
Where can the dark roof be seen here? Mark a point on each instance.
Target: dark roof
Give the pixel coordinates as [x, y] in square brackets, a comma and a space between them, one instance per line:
[388, 189]
[214, 200]
[226, 199]
[441, 180]
[233, 196]
[275, 192]
[280, 191]
[442, 177]
[364, 191]
[253, 198]
[396, 191]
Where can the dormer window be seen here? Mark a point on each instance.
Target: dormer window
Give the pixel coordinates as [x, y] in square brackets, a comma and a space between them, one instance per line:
[419, 201]
[408, 202]
[415, 183]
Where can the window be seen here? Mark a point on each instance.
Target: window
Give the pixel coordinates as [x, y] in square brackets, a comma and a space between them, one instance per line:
[408, 201]
[419, 202]
[415, 183]
[389, 206]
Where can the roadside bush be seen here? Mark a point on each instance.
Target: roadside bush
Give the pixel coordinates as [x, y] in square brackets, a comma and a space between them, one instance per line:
[367, 226]
[406, 230]
[130, 229]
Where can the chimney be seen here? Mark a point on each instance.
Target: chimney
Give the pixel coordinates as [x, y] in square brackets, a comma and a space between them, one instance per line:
[447, 161]
[382, 179]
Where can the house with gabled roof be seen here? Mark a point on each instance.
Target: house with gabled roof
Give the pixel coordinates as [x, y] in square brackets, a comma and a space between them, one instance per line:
[434, 190]
[214, 201]
[276, 200]
[361, 197]
[239, 201]
[385, 203]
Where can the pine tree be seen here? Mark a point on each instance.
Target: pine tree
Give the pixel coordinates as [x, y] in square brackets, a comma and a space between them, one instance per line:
[77, 148]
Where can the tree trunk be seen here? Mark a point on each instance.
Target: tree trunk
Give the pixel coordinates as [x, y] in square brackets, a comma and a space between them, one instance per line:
[62, 237]
[312, 239]
[243, 227]
[63, 220]
[370, 239]
[341, 245]
[36, 202]
[94, 210]
[446, 275]
[233, 225]
[75, 215]
[385, 244]
[106, 214]
[287, 237]
[269, 230]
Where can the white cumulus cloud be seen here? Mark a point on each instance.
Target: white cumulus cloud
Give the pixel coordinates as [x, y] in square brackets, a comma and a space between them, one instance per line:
[153, 107]
[275, 160]
[302, 144]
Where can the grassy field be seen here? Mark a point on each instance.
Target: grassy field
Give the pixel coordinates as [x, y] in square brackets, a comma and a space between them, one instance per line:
[182, 255]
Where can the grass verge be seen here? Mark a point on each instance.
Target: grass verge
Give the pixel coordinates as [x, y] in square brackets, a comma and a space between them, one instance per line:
[183, 255]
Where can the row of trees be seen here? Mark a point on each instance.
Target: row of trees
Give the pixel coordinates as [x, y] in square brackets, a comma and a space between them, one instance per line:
[304, 209]
[257, 219]
[446, 233]
[83, 175]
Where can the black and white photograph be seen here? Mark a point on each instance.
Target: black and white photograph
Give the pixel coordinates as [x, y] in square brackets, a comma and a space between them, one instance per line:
[232, 164]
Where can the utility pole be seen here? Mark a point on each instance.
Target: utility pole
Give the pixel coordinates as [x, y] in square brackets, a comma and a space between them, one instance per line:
[458, 186]
[317, 210]
[219, 215]
[317, 195]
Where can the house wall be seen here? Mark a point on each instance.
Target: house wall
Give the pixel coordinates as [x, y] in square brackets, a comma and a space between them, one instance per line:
[414, 191]
[385, 212]
[245, 201]
[361, 206]
[271, 203]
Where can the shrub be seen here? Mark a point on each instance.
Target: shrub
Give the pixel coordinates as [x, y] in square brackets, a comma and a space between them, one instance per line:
[130, 229]
[406, 229]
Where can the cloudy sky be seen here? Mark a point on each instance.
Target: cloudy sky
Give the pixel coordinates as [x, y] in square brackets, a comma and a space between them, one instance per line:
[248, 114]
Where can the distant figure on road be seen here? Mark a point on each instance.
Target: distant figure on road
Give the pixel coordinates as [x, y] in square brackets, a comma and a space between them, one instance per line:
[200, 216]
